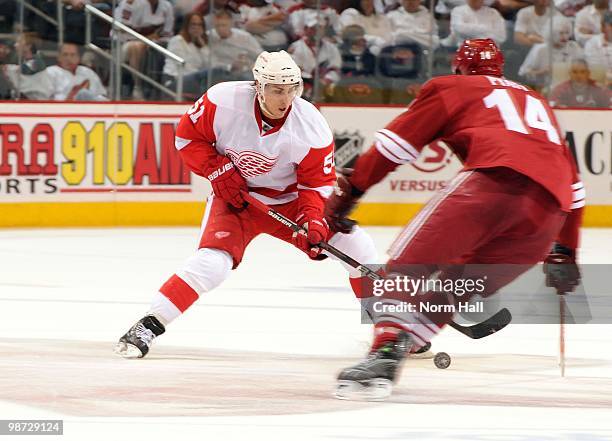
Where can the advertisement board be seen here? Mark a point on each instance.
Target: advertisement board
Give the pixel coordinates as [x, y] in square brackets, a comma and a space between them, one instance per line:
[115, 164]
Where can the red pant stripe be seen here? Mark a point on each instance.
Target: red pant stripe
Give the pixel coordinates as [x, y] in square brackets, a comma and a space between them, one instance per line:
[179, 293]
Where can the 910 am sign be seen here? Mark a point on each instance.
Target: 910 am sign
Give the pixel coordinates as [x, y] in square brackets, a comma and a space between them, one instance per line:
[41, 161]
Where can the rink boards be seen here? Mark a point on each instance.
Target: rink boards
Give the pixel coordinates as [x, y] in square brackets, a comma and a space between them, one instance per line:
[86, 164]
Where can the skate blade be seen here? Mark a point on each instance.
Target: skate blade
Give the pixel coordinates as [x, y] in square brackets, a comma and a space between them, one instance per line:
[127, 350]
[378, 389]
[422, 356]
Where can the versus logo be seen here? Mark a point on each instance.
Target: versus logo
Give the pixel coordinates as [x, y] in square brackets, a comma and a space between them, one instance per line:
[433, 158]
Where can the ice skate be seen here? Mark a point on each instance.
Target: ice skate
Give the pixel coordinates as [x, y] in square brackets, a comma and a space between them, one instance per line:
[137, 341]
[373, 378]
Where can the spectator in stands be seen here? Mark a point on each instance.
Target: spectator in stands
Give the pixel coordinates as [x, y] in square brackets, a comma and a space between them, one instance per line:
[184, 7]
[580, 90]
[475, 20]
[26, 49]
[536, 68]
[306, 11]
[327, 61]
[207, 9]
[444, 7]
[23, 80]
[191, 44]
[598, 52]
[531, 23]
[152, 18]
[384, 6]
[263, 19]
[510, 8]
[413, 23]
[5, 84]
[70, 81]
[357, 59]
[588, 21]
[375, 24]
[233, 50]
[285, 5]
[5, 50]
[570, 8]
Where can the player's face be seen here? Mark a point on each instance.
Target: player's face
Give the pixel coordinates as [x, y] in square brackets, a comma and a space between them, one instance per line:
[475, 4]
[278, 98]
[579, 73]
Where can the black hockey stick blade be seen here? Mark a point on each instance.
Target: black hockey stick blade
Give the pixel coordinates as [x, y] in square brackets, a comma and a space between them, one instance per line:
[490, 326]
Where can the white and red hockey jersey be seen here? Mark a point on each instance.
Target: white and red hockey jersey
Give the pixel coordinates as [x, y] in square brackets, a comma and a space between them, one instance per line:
[293, 159]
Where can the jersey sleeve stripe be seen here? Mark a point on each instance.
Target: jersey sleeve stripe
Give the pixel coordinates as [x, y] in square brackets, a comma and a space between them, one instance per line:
[324, 191]
[181, 143]
[399, 141]
[577, 204]
[578, 195]
[387, 154]
[392, 147]
[577, 185]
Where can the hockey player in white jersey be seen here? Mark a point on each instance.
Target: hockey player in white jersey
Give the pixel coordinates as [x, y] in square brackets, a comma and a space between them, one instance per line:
[262, 138]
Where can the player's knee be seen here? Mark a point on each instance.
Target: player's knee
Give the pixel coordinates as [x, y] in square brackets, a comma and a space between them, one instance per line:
[206, 269]
[358, 244]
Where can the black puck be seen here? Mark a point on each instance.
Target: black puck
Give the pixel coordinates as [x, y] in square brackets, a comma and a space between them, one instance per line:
[442, 360]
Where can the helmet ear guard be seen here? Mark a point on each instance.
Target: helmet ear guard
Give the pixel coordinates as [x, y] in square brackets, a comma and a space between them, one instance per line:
[478, 57]
[276, 68]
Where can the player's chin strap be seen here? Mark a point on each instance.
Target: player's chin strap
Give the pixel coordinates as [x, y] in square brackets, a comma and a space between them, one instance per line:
[490, 326]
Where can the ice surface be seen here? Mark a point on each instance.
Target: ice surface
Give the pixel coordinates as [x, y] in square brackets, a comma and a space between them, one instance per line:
[256, 358]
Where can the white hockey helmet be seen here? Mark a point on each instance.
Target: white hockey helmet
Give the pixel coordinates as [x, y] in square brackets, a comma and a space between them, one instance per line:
[276, 68]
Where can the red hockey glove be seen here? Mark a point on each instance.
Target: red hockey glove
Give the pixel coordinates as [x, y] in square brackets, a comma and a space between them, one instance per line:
[317, 231]
[227, 182]
[341, 203]
[562, 272]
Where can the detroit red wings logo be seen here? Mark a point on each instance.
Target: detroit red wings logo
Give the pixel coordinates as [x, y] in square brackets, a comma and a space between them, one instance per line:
[251, 163]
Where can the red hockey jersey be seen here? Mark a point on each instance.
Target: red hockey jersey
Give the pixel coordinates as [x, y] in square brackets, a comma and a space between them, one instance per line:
[292, 160]
[487, 122]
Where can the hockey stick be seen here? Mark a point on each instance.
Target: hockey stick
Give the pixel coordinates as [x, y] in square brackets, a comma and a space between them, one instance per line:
[562, 333]
[490, 326]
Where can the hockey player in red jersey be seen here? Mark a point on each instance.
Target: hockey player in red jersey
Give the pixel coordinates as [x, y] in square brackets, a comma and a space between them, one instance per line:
[517, 195]
[262, 138]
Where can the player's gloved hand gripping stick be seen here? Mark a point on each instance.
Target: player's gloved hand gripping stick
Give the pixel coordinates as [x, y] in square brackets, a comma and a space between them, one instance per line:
[490, 326]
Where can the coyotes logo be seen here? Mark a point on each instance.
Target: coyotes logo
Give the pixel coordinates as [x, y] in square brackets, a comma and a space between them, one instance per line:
[251, 163]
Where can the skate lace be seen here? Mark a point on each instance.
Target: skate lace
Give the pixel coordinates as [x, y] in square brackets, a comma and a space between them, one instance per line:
[144, 334]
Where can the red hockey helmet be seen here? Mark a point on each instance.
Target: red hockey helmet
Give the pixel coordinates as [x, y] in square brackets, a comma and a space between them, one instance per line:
[479, 57]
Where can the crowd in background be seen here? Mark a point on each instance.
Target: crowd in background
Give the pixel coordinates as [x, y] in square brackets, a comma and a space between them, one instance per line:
[355, 51]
